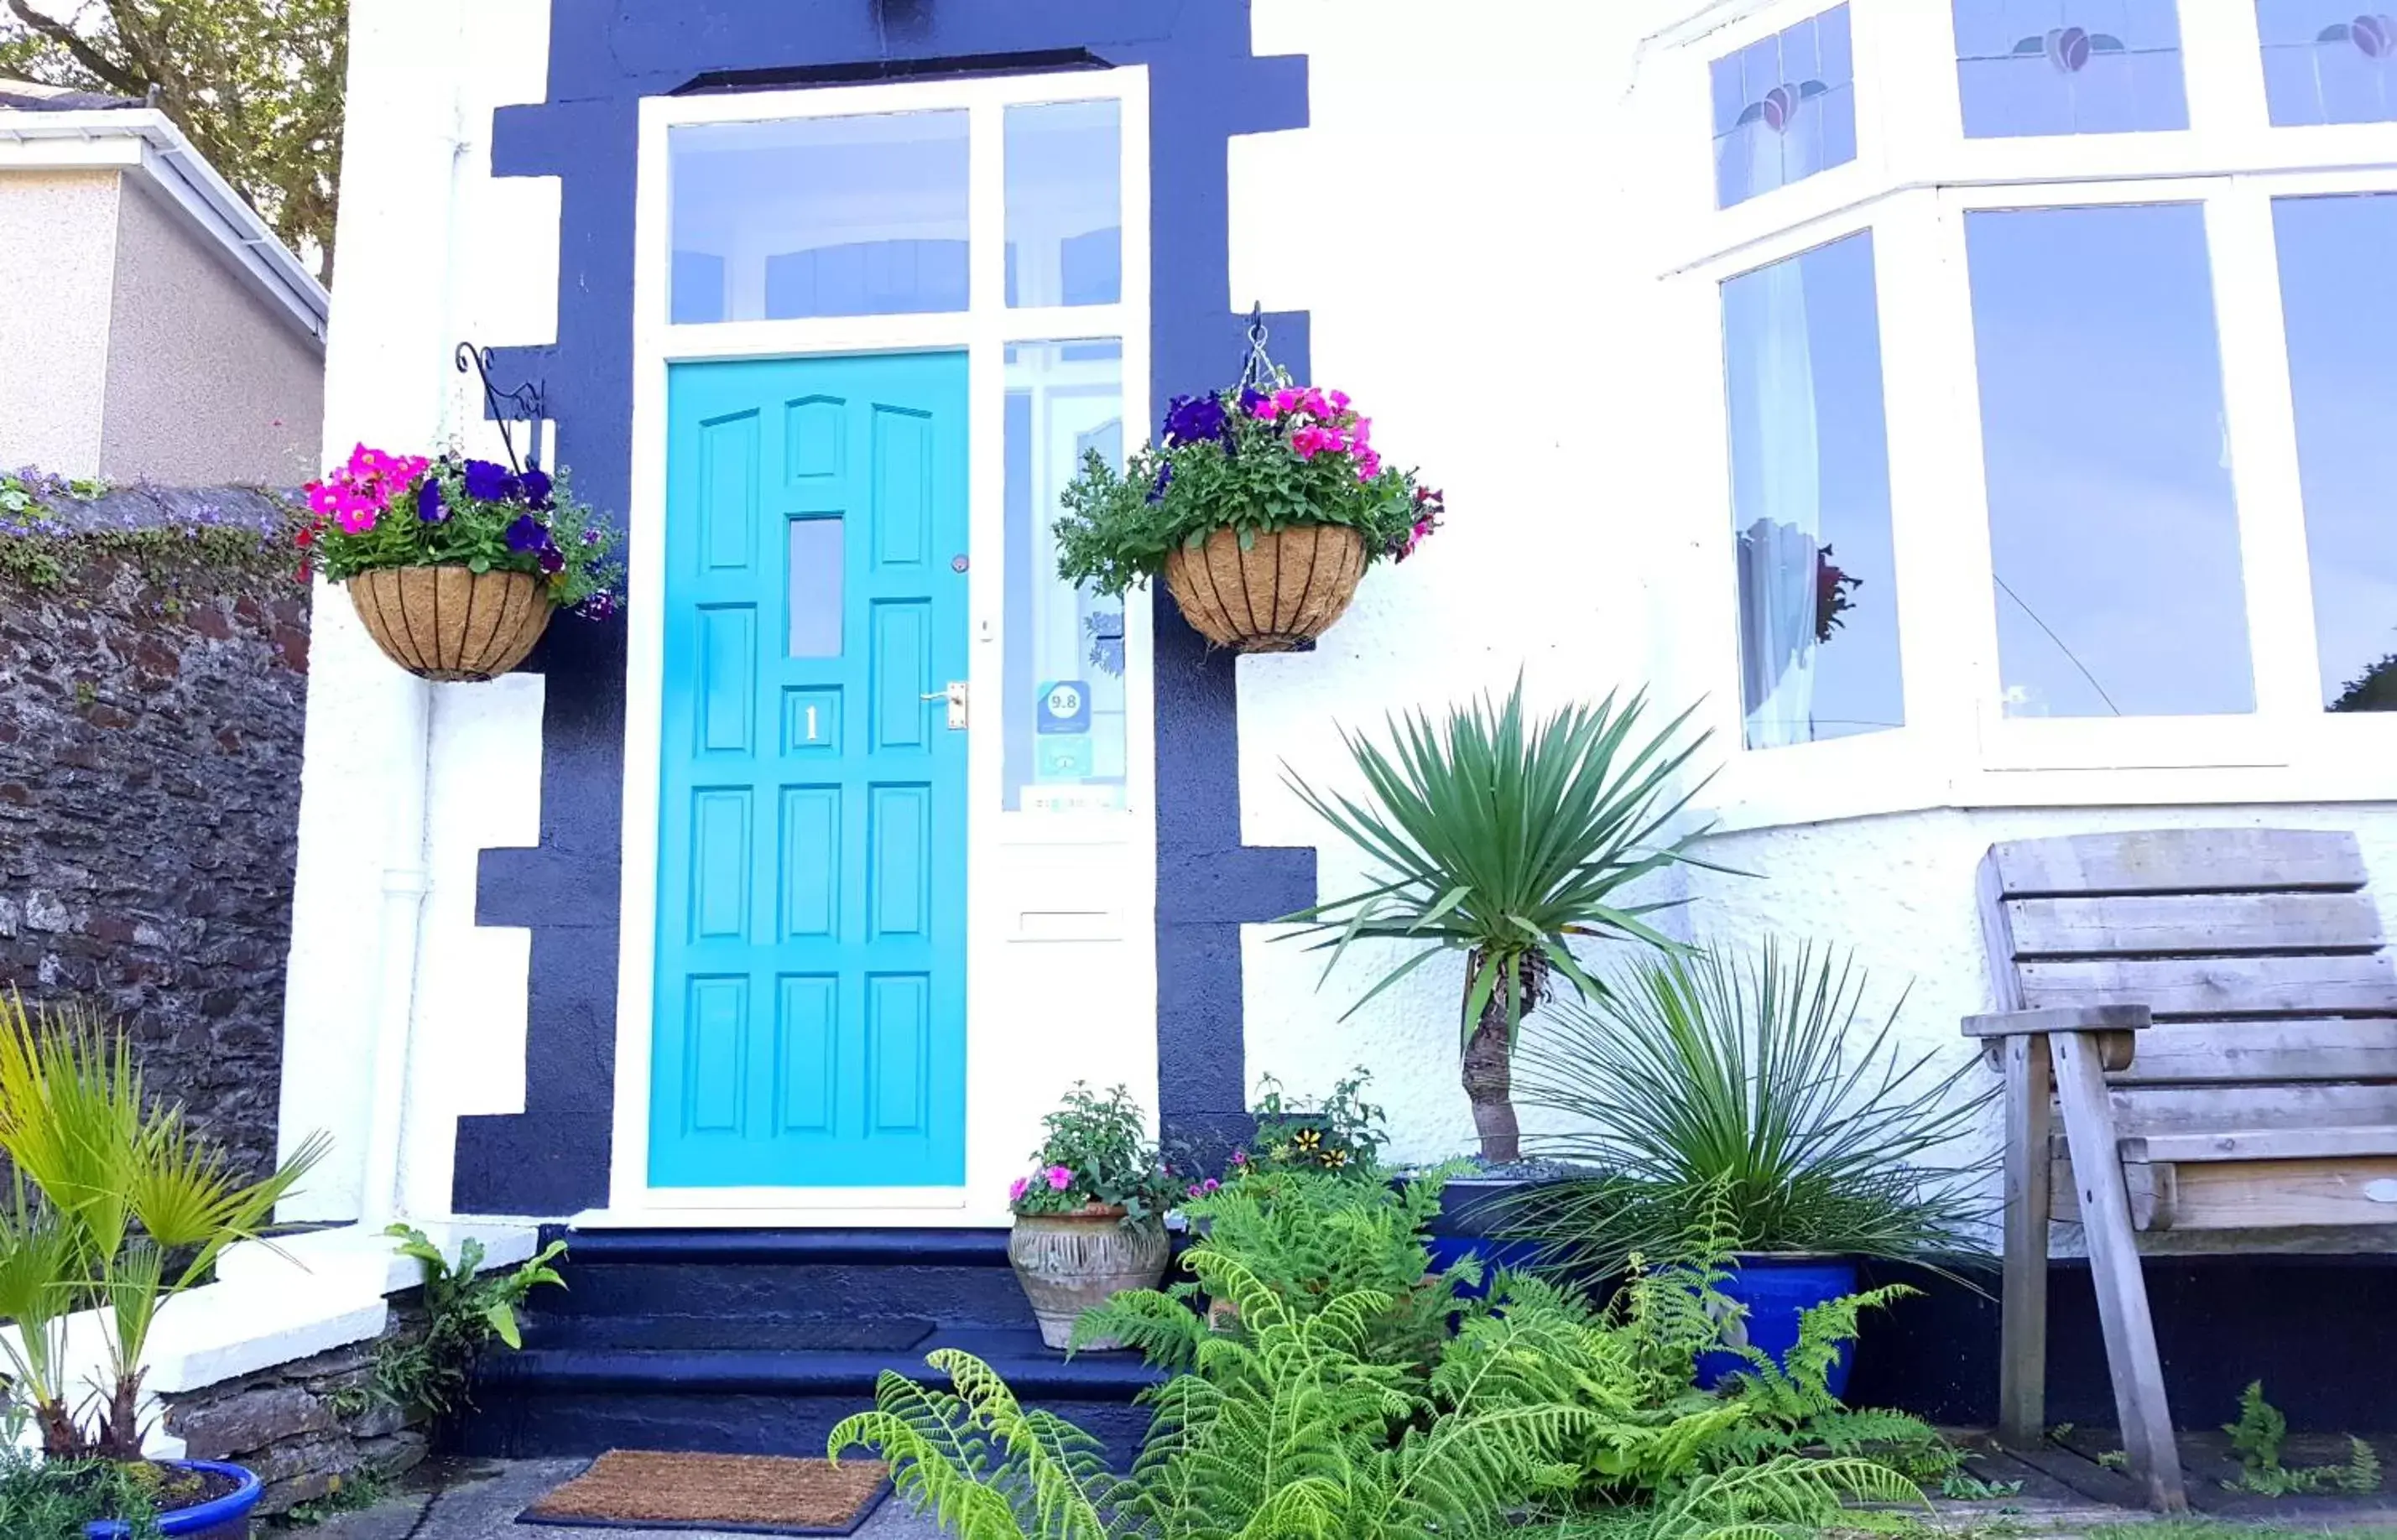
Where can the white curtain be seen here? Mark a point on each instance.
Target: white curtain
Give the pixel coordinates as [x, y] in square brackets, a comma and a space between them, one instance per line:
[1779, 506]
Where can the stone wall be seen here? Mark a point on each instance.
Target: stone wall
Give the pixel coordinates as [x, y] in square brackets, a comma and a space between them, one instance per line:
[151, 694]
[305, 1428]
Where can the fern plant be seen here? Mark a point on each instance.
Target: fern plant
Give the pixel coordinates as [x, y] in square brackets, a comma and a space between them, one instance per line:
[1287, 1431]
[2255, 1439]
[1310, 1238]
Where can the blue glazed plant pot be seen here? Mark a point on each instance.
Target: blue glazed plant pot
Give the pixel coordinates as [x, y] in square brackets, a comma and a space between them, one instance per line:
[225, 1517]
[1777, 1289]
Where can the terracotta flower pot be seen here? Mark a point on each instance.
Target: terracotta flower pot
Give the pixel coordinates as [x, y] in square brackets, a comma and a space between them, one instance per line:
[1286, 588]
[451, 624]
[1069, 1263]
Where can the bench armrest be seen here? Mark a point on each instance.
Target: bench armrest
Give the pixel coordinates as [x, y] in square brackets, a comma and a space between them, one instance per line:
[2076, 1018]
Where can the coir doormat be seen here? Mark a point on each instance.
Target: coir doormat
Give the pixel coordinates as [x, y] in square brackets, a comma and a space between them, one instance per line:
[732, 1493]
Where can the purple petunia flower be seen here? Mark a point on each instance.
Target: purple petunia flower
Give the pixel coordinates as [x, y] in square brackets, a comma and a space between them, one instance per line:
[429, 506]
[552, 560]
[1251, 398]
[488, 483]
[1193, 420]
[528, 533]
[536, 484]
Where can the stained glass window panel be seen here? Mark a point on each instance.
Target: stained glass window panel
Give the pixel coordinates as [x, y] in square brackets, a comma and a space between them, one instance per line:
[2031, 67]
[2328, 62]
[1785, 108]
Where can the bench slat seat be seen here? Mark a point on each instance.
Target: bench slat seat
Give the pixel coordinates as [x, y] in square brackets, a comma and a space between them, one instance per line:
[2198, 1032]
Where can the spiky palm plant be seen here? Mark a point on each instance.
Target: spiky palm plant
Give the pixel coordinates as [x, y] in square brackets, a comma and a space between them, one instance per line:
[130, 1207]
[1758, 1085]
[1504, 840]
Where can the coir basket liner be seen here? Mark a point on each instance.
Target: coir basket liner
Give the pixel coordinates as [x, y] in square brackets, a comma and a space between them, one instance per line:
[1285, 589]
[448, 624]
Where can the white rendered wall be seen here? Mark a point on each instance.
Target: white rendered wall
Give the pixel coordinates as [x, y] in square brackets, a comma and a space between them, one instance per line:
[415, 280]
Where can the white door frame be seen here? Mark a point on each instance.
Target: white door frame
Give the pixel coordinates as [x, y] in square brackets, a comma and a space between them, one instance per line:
[1025, 870]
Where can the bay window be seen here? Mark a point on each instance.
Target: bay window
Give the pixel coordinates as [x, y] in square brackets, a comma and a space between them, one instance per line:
[2053, 409]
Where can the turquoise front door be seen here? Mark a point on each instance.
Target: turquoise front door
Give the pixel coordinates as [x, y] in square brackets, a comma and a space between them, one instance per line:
[810, 1027]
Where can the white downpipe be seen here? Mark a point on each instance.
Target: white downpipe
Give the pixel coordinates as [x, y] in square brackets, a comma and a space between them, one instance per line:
[406, 878]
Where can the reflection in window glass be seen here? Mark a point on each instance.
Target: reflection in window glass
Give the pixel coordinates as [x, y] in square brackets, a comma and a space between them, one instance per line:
[1065, 204]
[827, 216]
[1063, 742]
[2337, 255]
[1810, 499]
[2113, 531]
[815, 588]
[1785, 108]
[2328, 62]
[2068, 67]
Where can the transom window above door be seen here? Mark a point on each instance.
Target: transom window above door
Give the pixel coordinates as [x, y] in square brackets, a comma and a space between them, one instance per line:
[872, 215]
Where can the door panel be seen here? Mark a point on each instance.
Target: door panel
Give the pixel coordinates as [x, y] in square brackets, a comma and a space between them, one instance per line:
[811, 988]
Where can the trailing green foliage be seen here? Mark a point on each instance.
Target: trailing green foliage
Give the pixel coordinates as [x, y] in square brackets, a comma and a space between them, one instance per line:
[2255, 1439]
[466, 1310]
[1095, 1151]
[1758, 1080]
[1250, 464]
[54, 1499]
[48, 534]
[1339, 1132]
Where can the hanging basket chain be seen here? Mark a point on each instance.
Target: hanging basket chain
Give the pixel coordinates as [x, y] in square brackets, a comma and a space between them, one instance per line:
[1258, 371]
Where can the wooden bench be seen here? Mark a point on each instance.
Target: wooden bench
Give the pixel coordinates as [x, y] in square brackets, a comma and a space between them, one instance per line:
[2214, 1012]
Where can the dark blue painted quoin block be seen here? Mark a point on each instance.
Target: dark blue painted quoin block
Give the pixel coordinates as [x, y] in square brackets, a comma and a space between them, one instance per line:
[605, 56]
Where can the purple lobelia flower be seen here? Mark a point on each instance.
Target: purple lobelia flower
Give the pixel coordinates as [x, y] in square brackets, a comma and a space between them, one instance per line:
[1194, 420]
[1164, 479]
[429, 506]
[486, 482]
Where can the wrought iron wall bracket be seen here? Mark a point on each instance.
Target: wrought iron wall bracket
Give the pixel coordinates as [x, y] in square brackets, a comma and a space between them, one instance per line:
[527, 403]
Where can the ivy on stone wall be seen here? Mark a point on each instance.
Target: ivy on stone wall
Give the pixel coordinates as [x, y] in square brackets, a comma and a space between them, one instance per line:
[187, 545]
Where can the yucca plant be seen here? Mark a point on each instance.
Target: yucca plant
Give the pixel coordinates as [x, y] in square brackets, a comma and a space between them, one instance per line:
[1756, 1085]
[128, 1205]
[1504, 840]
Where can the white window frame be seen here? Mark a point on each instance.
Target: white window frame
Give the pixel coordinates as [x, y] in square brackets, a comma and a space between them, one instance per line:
[1914, 180]
[1094, 869]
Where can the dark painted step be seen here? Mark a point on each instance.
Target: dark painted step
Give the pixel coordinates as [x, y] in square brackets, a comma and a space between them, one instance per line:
[792, 1275]
[760, 1341]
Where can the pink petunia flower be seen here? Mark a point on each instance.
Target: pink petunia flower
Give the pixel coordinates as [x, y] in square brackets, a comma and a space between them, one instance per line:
[1016, 1188]
[1266, 409]
[1340, 400]
[1060, 1178]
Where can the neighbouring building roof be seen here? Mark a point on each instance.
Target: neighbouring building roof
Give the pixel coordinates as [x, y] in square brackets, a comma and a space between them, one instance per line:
[48, 127]
[31, 96]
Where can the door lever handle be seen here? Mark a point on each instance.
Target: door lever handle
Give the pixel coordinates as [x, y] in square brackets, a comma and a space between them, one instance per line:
[956, 695]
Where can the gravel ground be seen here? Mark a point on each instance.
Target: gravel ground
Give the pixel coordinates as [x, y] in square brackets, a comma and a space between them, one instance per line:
[480, 1499]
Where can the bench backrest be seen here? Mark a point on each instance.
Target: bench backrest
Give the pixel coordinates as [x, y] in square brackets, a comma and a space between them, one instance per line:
[2259, 952]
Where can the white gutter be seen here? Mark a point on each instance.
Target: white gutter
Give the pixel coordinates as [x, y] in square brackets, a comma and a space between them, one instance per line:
[144, 138]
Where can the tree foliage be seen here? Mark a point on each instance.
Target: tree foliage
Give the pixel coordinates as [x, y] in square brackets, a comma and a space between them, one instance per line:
[257, 85]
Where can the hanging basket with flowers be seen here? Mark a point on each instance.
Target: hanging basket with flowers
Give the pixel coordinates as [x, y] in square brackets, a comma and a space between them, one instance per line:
[454, 565]
[1261, 506]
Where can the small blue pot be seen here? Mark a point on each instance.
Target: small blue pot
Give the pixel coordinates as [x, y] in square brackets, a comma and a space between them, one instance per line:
[1777, 1289]
[227, 1518]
